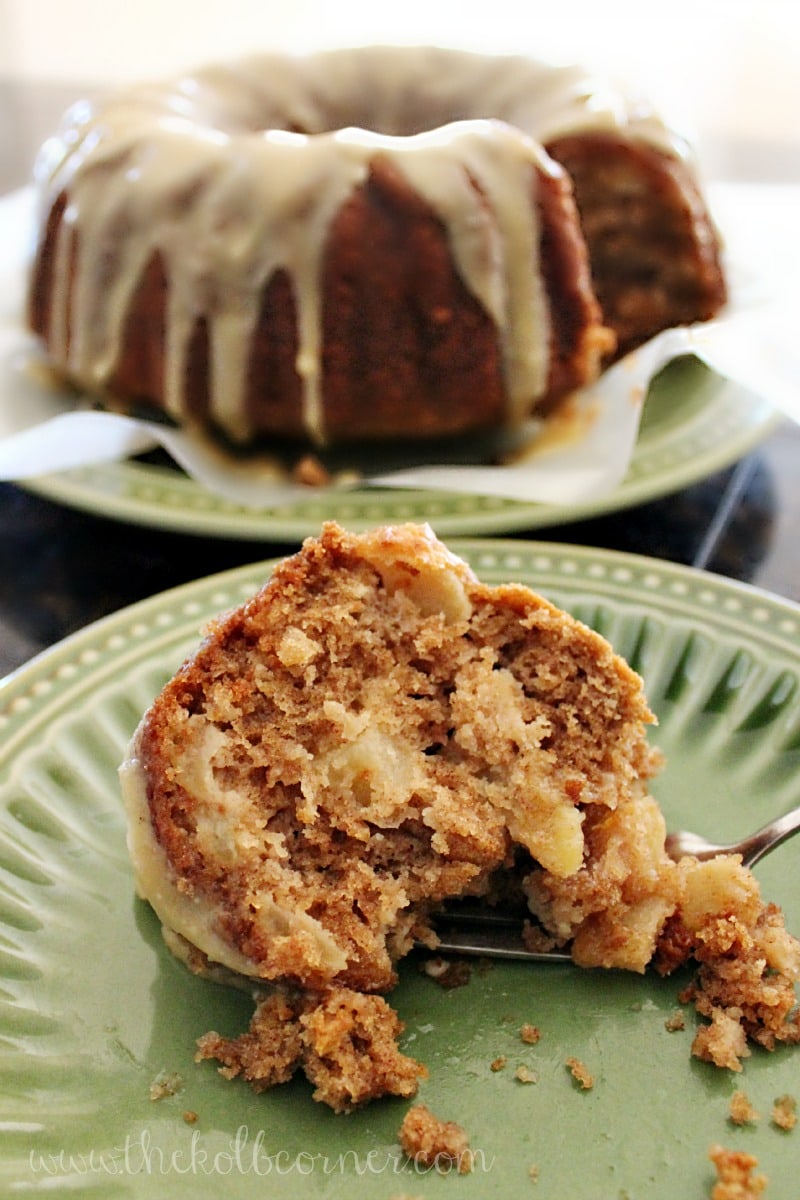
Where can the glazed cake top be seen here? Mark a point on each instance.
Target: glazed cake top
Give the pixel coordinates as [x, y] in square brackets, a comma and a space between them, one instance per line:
[237, 171]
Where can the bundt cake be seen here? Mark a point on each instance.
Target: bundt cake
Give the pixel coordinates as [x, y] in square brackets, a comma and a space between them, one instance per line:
[376, 732]
[362, 244]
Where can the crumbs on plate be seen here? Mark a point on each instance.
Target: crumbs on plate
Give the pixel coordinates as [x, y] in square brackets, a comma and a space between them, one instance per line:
[735, 1175]
[741, 1111]
[448, 972]
[431, 1142]
[581, 1073]
[784, 1112]
[166, 1083]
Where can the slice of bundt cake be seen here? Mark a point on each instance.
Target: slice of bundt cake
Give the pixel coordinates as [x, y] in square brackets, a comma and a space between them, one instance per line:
[373, 733]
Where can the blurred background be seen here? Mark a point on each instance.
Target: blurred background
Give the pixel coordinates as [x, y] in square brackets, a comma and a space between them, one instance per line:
[729, 70]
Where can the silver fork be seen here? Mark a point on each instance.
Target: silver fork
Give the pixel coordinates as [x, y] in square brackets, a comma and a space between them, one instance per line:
[469, 928]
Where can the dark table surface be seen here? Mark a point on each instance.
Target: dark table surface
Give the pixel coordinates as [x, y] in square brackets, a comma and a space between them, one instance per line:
[61, 568]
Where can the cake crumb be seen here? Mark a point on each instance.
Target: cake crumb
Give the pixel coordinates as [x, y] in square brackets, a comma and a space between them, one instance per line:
[784, 1112]
[431, 1142]
[581, 1073]
[735, 1178]
[310, 472]
[166, 1083]
[345, 1041]
[676, 1022]
[723, 1042]
[530, 1034]
[497, 1064]
[533, 1173]
[535, 940]
[741, 1111]
[448, 972]
[526, 1075]
[190, 1116]
[748, 961]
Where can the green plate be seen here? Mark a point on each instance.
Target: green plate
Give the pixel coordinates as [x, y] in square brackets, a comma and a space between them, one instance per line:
[694, 423]
[93, 1009]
